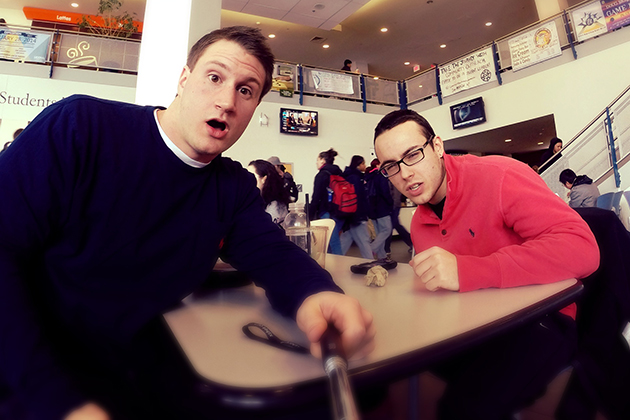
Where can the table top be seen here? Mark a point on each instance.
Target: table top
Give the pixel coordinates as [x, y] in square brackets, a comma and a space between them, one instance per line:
[414, 328]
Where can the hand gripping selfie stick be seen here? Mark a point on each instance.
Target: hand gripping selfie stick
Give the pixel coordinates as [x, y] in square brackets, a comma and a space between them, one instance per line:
[336, 367]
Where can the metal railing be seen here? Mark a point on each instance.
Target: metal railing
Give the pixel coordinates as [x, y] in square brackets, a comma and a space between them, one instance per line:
[599, 149]
[91, 51]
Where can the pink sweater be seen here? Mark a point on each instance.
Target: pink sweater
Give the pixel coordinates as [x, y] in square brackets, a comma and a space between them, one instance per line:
[506, 227]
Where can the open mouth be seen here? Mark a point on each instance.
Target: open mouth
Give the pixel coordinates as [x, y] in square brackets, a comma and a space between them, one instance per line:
[216, 124]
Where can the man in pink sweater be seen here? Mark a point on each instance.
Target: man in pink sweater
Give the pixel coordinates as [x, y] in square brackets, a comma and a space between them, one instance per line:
[487, 222]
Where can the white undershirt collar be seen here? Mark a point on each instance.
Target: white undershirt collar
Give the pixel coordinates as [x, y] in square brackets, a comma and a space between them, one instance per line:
[178, 152]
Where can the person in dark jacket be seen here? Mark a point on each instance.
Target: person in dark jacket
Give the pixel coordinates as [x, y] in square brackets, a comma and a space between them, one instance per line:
[381, 204]
[320, 206]
[555, 145]
[582, 191]
[357, 230]
[111, 213]
[289, 183]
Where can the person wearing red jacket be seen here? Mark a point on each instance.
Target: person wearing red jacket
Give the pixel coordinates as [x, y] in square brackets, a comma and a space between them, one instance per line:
[487, 222]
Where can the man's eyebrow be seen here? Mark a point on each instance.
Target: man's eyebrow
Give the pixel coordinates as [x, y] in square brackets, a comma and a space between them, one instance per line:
[225, 67]
[412, 148]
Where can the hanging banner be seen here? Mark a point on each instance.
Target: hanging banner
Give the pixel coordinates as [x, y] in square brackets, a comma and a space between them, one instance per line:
[466, 73]
[616, 13]
[24, 46]
[588, 21]
[535, 46]
[332, 82]
[283, 80]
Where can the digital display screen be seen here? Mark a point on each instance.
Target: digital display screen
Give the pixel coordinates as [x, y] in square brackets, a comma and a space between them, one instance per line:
[298, 121]
[468, 113]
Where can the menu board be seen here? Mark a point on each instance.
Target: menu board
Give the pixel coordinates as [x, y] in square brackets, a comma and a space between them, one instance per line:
[468, 72]
[535, 46]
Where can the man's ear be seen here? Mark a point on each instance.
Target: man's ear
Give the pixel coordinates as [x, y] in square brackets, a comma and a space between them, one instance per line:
[438, 146]
[183, 78]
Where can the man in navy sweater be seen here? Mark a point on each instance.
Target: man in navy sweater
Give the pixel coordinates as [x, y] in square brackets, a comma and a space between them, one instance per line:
[111, 213]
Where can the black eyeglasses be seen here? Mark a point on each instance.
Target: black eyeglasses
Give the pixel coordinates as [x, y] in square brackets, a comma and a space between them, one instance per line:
[415, 156]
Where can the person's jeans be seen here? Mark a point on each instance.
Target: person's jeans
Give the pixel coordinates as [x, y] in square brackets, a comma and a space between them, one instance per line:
[359, 235]
[335, 243]
[402, 232]
[383, 227]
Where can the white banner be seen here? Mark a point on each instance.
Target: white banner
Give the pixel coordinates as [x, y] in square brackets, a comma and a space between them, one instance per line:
[535, 46]
[24, 46]
[588, 21]
[466, 73]
[332, 82]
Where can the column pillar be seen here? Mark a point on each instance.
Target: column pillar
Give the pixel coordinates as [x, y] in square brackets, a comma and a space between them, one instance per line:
[170, 29]
[548, 8]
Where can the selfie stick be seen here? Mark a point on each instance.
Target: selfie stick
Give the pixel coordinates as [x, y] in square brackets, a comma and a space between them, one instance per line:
[336, 367]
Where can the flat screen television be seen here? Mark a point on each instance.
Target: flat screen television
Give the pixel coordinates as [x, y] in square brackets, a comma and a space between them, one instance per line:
[299, 121]
[468, 113]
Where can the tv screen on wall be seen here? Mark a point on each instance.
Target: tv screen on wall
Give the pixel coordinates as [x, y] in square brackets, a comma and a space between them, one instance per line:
[299, 121]
[468, 113]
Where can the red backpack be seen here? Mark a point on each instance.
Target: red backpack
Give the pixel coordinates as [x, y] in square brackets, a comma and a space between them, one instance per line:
[344, 197]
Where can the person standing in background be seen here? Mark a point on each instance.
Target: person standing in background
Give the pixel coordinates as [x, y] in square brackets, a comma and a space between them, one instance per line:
[347, 65]
[555, 145]
[355, 229]
[271, 188]
[398, 198]
[287, 178]
[320, 205]
[380, 210]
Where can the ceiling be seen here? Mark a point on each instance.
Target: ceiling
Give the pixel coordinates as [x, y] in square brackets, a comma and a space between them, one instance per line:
[416, 29]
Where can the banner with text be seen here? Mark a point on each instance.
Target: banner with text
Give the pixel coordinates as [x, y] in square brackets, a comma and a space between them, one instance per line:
[332, 82]
[24, 46]
[466, 73]
[535, 46]
[588, 21]
[616, 13]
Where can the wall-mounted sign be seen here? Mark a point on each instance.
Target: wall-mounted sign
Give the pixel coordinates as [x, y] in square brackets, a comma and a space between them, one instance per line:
[24, 46]
[535, 46]
[588, 21]
[466, 73]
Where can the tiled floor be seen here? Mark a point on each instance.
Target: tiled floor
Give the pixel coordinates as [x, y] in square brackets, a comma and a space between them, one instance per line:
[396, 406]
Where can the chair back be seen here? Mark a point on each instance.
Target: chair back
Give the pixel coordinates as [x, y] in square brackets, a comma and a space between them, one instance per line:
[329, 223]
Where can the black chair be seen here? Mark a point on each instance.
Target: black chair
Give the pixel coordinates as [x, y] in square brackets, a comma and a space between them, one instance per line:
[600, 380]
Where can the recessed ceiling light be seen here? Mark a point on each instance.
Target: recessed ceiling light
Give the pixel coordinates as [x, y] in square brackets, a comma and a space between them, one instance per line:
[257, 23]
[272, 35]
[375, 77]
[508, 140]
[540, 143]
[488, 23]
[443, 46]
[419, 86]
[383, 29]
[407, 63]
[325, 46]
[74, 4]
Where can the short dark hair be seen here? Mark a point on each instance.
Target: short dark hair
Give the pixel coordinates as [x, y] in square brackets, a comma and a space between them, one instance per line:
[252, 41]
[553, 142]
[17, 133]
[395, 118]
[328, 156]
[348, 61]
[567, 176]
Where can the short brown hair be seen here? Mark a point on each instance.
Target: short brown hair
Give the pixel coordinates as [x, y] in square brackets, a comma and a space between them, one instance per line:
[252, 41]
[395, 118]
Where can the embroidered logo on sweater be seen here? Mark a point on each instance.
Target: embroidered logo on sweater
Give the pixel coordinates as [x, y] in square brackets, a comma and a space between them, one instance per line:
[471, 233]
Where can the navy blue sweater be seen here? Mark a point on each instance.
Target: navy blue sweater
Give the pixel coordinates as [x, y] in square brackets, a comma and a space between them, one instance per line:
[102, 228]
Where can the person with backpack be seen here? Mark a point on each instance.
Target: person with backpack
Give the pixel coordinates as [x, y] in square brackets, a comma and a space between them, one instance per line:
[380, 208]
[357, 230]
[287, 178]
[321, 206]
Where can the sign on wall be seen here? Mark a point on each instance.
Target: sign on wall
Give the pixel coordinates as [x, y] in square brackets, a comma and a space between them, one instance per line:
[24, 46]
[332, 82]
[466, 73]
[588, 21]
[535, 46]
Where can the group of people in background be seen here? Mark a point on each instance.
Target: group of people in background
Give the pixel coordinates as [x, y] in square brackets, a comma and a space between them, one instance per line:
[377, 207]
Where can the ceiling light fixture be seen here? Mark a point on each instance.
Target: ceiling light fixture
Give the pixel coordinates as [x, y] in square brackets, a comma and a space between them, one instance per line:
[325, 46]
[375, 77]
[488, 23]
[407, 63]
[272, 35]
[383, 29]
[540, 143]
[508, 140]
[443, 46]
[74, 4]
